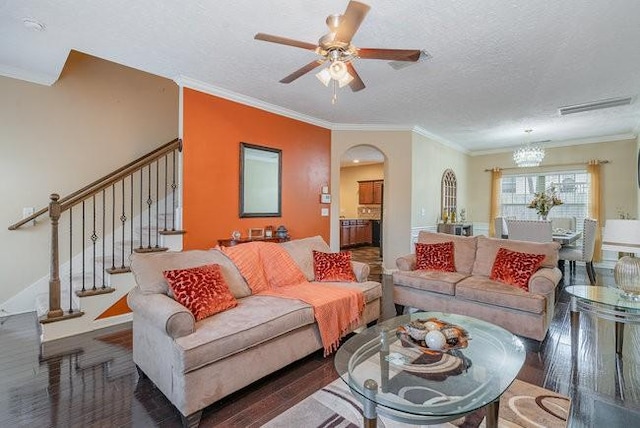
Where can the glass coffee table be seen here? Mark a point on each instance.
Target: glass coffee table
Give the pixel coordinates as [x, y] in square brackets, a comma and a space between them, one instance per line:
[415, 385]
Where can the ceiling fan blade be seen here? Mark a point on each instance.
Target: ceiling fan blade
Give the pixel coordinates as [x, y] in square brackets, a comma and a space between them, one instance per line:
[301, 71]
[390, 54]
[350, 21]
[356, 84]
[285, 41]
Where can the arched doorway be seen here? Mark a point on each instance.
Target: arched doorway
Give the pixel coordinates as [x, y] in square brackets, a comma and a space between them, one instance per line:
[362, 171]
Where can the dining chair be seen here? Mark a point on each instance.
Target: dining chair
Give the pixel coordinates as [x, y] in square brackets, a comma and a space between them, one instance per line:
[566, 223]
[530, 230]
[500, 223]
[584, 253]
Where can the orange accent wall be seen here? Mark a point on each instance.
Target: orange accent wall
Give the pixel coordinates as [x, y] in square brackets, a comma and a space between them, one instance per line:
[118, 308]
[213, 129]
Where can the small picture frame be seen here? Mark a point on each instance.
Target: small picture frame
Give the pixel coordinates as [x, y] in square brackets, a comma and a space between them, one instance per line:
[256, 233]
[268, 232]
[325, 198]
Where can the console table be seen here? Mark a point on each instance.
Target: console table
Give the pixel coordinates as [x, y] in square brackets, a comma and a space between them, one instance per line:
[231, 242]
[463, 229]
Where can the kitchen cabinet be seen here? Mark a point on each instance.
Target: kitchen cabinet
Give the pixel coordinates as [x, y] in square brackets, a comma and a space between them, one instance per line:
[370, 192]
[355, 232]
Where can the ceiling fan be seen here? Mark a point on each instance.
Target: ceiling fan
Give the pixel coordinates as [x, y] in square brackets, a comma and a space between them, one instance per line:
[336, 49]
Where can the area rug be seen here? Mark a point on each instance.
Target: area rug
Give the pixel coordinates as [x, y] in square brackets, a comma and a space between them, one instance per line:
[522, 405]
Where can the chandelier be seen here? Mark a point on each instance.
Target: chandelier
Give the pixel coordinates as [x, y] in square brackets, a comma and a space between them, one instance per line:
[528, 155]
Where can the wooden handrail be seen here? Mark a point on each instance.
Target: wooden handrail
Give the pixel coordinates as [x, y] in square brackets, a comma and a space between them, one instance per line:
[106, 181]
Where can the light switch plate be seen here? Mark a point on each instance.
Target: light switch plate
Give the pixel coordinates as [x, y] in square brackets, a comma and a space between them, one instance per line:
[324, 212]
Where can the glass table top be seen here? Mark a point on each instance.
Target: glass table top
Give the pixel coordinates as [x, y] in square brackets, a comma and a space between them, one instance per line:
[609, 296]
[431, 383]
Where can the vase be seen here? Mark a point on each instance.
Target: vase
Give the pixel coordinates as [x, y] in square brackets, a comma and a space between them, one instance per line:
[543, 217]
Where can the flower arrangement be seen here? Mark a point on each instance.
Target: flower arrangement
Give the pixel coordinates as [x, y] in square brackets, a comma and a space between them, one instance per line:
[544, 201]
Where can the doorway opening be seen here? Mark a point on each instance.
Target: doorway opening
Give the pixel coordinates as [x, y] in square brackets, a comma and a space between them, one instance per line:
[362, 206]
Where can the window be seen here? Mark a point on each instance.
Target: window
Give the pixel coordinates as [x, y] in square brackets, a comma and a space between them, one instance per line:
[449, 192]
[572, 188]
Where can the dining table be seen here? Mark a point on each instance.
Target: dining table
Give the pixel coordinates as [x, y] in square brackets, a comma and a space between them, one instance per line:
[566, 238]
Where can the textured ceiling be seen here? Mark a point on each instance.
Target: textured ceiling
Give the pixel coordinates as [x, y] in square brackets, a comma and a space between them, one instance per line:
[498, 67]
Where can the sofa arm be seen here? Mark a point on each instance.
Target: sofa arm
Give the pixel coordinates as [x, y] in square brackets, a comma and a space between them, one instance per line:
[544, 280]
[406, 262]
[361, 271]
[163, 312]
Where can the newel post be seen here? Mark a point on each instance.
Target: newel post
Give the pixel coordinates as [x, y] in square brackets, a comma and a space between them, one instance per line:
[54, 271]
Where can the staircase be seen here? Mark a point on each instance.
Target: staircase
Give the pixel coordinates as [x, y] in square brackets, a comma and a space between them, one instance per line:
[95, 230]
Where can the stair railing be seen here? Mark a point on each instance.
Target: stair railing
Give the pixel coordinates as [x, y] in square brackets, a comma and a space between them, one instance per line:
[113, 195]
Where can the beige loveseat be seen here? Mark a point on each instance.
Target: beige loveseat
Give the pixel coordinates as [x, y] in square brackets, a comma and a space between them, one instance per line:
[469, 291]
[197, 363]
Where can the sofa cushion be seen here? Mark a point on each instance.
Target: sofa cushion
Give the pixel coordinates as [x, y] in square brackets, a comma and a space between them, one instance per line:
[435, 257]
[515, 268]
[147, 269]
[301, 250]
[464, 248]
[488, 248]
[333, 266]
[255, 320]
[201, 289]
[484, 290]
[436, 281]
[372, 290]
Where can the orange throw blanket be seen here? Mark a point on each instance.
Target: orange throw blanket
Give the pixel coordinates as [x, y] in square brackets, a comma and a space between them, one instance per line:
[269, 270]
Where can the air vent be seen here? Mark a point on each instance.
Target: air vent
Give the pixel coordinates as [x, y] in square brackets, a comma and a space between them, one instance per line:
[595, 105]
[399, 65]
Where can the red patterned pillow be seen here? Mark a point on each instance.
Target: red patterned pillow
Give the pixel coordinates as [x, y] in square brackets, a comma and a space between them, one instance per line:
[333, 266]
[515, 268]
[201, 289]
[435, 257]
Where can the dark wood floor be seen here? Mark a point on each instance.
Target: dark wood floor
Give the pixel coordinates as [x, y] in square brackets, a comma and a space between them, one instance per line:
[90, 380]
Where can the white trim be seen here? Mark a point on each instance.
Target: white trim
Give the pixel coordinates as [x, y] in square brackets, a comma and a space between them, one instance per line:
[187, 82]
[28, 76]
[369, 127]
[421, 131]
[563, 143]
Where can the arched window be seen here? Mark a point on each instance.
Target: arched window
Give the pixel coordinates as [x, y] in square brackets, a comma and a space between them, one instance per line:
[449, 193]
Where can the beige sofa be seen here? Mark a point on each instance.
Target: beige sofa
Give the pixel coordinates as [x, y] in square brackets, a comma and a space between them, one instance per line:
[197, 363]
[469, 291]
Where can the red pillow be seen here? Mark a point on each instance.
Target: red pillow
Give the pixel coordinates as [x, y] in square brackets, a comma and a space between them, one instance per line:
[515, 268]
[435, 257]
[333, 267]
[201, 289]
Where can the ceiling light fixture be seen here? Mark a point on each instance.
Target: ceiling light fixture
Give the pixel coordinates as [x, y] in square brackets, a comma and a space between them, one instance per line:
[529, 154]
[33, 24]
[336, 73]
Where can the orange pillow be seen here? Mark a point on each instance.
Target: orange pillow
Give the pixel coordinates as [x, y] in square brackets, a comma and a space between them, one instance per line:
[333, 267]
[201, 289]
[437, 257]
[515, 268]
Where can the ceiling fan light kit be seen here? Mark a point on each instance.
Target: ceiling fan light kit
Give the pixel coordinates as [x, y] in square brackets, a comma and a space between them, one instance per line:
[529, 155]
[336, 49]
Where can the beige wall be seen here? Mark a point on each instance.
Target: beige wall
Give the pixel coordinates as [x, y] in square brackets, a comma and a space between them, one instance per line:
[429, 161]
[396, 147]
[95, 118]
[619, 187]
[349, 177]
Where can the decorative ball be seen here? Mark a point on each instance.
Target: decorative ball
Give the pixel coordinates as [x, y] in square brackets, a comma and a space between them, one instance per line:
[435, 340]
[430, 325]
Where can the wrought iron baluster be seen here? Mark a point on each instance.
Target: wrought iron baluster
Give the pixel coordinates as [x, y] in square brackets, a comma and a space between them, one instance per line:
[113, 226]
[141, 211]
[149, 202]
[104, 235]
[94, 238]
[123, 219]
[131, 206]
[83, 246]
[70, 260]
[173, 190]
[166, 164]
[157, 202]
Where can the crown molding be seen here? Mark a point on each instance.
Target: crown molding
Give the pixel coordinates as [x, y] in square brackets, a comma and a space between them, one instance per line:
[421, 131]
[28, 76]
[187, 82]
[376, 127]
[563, 143]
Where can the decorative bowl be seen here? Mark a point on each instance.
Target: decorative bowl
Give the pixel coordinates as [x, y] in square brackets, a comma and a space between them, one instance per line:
[413, 335]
